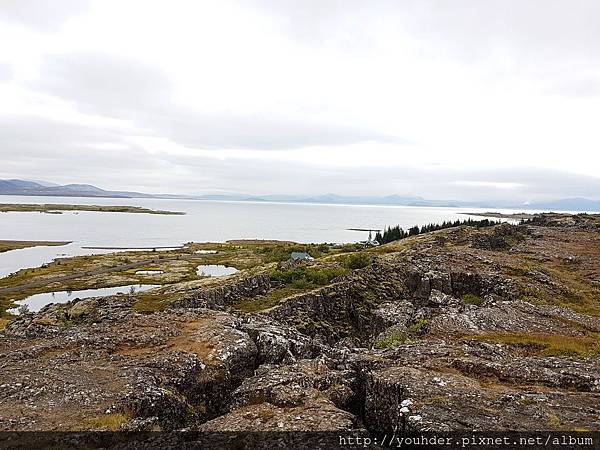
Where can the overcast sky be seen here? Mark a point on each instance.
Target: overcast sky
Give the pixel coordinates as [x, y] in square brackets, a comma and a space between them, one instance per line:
[464, 99]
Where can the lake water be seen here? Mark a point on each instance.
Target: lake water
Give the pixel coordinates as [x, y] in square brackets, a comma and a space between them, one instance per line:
[38, 301]
[204, 221]
[215, 270]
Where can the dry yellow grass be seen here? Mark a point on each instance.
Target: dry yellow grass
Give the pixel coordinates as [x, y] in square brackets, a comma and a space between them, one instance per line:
[548, 344]
[111, 422]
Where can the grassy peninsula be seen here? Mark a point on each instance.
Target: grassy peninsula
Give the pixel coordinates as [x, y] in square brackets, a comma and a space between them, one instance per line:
[6, 246]
[59, 208]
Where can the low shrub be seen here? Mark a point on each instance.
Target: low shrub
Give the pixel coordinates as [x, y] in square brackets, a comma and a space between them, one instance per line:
[303, 277]
[357, 261]
[472, 299]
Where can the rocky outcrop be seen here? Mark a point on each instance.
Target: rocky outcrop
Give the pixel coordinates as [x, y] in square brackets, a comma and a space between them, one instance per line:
[453, 331]
[226, 294]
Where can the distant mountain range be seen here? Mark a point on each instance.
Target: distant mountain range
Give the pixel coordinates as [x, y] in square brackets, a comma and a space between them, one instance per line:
[23, 187]
[42, 188]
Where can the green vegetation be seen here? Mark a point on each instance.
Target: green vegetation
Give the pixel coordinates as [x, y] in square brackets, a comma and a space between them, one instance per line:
[396, 233]
[571, 288]
[472, 299]
[298, 279]
[547, 344]
[520, 269]
[267, 301]
[118, 269]
[111, 422]
[57, 208]
[89, 272]
[357, 261]
[394, 338]
[302, 277]
[279, 252]
[553, 420]
[148, 302]
[419, 327]
[265, 414]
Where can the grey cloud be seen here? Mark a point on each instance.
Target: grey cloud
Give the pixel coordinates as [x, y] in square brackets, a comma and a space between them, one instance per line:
[540, 36]
[256, 176]
[535, 183]
[63, 152]
[105, 83]
[42, 137]
[118, 87]
[44, 15]
[267, 132]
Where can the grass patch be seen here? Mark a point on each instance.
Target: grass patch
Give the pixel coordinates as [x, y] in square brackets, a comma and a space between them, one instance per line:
[302, 277]
[419, 327]
[144, 268]
[533, 300]
[267, 301]
[294, 280]
[520, 270]
[395, 338]
[265, 415]
[548, 344]
[3, 323]
[570, 286]
[553, 420]
[357, 261]
[282, 251]
[110, 422]
[391, 340]
[151, 302]
[472, 299]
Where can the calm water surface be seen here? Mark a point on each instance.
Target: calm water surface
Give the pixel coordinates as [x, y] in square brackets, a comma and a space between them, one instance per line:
[215, 270]
[204, 221]
[38, 301]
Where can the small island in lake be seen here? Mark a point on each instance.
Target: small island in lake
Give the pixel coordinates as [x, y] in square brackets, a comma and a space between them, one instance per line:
[58, 208]
[6, 246]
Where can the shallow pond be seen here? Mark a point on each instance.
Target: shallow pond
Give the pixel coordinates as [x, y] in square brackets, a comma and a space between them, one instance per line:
[38, 301]
[215, 270]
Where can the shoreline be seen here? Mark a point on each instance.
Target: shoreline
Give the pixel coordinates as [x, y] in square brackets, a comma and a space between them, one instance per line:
[497, 215]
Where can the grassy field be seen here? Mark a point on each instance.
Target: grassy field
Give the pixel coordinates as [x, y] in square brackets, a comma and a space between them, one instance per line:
[546, 344]
[58, 208]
